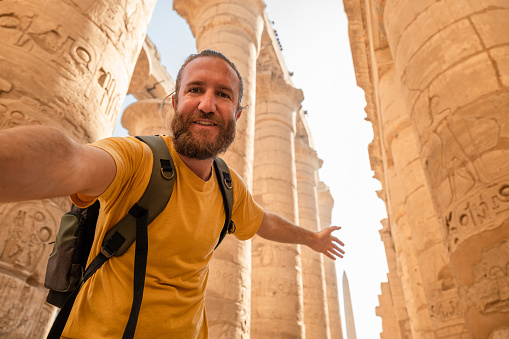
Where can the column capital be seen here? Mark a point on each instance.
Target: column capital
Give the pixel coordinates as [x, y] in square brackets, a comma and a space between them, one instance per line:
[204, 15]
[272, 85]
[150, 78]
[144, 117]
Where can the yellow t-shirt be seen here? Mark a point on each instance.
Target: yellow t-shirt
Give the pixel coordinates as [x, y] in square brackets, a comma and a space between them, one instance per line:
[181, 242]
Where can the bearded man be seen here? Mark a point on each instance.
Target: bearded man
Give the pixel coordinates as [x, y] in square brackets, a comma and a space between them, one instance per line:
[207, 104]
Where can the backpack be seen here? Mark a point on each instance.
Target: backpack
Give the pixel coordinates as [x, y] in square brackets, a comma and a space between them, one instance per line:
[67, 271]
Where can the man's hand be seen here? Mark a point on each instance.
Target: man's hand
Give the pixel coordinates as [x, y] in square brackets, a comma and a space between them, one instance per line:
[328, 244]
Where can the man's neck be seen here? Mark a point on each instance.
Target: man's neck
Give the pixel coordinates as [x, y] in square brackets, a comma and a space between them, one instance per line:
[202, 168]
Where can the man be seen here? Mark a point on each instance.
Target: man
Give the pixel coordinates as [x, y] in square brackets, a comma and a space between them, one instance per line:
[182, 238]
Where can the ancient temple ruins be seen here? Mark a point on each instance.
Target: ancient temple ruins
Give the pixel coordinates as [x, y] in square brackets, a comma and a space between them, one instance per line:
[69, 64]
[436, 80]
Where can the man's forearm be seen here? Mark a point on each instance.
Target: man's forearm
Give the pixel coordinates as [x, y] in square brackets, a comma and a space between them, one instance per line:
[34, 163]
[276, 228]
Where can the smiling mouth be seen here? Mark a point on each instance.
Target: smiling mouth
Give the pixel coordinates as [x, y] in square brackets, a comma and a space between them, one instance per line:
[205, 123]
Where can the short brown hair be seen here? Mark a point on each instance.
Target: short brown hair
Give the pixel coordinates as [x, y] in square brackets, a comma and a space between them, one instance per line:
[214, 54]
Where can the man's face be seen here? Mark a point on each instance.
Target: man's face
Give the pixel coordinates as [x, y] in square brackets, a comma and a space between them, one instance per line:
[206, 110]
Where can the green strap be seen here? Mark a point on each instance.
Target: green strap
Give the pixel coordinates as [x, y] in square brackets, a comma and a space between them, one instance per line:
[225, 184]
[156, 195]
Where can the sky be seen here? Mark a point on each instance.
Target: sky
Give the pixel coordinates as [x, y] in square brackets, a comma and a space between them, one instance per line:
[316, 49]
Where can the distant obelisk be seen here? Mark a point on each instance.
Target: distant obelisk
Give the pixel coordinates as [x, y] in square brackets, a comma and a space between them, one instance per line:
[350, 324]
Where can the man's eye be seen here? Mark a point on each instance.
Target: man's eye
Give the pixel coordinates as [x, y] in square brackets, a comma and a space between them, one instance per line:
[224, 95]
[194, 90]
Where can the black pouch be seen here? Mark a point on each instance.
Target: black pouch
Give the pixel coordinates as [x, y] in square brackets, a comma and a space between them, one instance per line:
[71, 249]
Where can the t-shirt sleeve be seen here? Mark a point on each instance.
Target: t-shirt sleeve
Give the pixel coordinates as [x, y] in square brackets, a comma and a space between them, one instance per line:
[130, 156]
[247, 214]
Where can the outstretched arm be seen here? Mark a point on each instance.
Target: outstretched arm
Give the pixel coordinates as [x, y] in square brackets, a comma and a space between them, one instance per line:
[39, 162]
[276, 228]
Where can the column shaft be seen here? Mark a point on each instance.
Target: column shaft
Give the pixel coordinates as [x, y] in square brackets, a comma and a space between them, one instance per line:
[277, 305]
[451, 59]
[316, 315]
[439, 289]
[325, 204]
[67, 65]
[395, 284]
[233, 28]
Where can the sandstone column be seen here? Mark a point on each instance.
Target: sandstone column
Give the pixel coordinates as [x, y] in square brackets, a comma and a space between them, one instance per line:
[66, 65]
[397, 300]
[406, 257]
[325, 204]
[438, 285]
[316, 315]
[233, 28]
[451, 58]
[277, 304]
[143, 117]
[386, 311]
[150, 85]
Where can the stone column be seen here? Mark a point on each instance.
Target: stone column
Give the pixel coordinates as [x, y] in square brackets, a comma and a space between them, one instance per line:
[399, 144]
[277, 304]
[150, 78]
[325, 204]
[70, 71]
[452, 61]
[150, 85]
[396, 287]
[406, 256]
[233, 28]
[316, 315]
[386, 311]
[144, 117]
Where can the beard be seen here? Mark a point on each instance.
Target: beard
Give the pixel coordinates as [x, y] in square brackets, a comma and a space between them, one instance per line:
[201, 146]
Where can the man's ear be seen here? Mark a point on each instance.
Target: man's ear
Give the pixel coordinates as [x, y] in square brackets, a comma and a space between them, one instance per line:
[237, 115]
[173, 100]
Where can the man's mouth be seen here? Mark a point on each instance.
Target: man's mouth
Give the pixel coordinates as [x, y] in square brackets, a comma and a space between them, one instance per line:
[205, 123]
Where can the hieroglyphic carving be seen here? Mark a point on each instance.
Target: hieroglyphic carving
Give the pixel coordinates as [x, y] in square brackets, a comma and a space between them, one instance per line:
[18, 319]
[446, 309]
[490, 292]
[110, 98]
[475, 212]
[12, 118]
[452, 153]
[5, 86]
[29, 229]
[117, 19]
[26, 228]
[38, 35]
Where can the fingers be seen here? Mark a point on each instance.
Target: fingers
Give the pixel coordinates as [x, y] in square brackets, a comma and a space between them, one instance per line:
[333, 254]
[338, 253]
[334, 239]
[338, 249]
[330, 255]
[334, 251]
[331, 229]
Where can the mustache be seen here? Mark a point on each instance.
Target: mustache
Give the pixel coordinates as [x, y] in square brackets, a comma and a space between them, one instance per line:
[209, 116]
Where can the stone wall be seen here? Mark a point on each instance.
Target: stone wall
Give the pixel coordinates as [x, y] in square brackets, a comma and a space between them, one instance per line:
[435, 75]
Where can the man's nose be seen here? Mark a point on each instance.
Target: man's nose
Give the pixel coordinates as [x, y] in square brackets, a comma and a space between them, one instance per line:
[208, 102]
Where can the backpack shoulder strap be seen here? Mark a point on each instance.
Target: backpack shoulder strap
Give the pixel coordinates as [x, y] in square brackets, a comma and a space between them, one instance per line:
[226, 186]
[154, 199]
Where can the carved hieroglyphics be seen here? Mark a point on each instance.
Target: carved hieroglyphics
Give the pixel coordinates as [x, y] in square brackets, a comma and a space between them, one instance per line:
[436, 80]
[70, 64]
